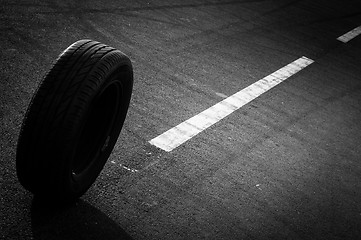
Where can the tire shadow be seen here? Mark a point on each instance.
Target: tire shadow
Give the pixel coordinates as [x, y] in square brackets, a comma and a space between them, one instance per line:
[77, 221]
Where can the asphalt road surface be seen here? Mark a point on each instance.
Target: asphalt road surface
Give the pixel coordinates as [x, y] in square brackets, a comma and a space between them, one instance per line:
[287, 165]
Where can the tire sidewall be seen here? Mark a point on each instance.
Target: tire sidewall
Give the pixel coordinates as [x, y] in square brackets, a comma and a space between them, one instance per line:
[78, 185]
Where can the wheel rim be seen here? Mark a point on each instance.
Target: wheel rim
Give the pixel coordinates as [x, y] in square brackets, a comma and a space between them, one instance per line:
[97, 131]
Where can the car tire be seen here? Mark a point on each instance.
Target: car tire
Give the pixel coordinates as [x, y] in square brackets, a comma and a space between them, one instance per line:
[73, 121]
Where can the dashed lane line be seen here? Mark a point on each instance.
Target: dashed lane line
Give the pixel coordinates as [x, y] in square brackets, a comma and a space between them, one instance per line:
[350, 35]
[181, 133]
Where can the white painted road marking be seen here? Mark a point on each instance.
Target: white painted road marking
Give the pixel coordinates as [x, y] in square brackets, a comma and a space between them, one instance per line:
[350, 35]
[191, 127]
[126, 168]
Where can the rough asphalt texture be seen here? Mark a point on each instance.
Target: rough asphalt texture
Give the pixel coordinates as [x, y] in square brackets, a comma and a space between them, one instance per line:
[285, 166]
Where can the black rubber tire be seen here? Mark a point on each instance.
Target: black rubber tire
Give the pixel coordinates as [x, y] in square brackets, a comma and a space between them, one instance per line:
[73, 121]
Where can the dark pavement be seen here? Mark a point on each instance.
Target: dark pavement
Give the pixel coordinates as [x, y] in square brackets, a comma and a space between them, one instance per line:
[285, 166]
